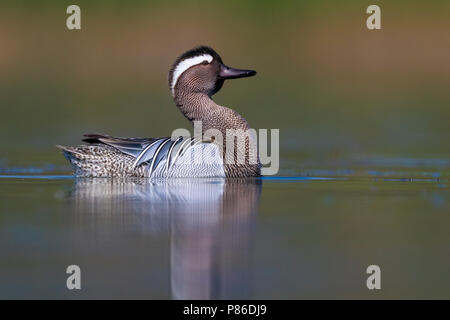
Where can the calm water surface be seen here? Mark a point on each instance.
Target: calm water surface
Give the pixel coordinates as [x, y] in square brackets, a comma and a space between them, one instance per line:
[306, 236]
[364, 152]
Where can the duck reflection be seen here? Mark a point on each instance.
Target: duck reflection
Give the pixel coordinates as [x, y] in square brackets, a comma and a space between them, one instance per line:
[209, 223]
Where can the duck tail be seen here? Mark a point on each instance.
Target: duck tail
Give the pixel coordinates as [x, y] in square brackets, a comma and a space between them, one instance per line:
[89, 160]
[78, 153]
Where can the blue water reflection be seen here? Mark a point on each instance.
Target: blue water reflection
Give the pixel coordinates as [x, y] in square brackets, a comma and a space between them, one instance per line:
[209, 223]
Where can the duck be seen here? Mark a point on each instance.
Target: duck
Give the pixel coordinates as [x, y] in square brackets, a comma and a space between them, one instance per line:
[194, 78]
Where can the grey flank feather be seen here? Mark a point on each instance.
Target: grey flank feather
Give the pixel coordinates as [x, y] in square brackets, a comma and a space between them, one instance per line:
[160, 153]
[183, 146]
[169, 154]
[148, 153]
[180, 149]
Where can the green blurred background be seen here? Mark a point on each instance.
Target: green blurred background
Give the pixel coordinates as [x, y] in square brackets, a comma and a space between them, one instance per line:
[337, 90]
[348, 102]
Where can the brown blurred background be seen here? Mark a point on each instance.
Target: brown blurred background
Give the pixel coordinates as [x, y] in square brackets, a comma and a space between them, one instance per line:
[334, 88]
[348, 102]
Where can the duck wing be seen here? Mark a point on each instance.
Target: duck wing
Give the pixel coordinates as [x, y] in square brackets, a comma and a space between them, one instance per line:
[146, 150]
[130, 146]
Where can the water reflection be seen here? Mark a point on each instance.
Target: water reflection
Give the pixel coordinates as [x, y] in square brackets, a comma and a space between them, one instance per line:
[208, 222]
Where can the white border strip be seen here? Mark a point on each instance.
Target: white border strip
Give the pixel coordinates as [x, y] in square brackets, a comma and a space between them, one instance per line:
[186, 64]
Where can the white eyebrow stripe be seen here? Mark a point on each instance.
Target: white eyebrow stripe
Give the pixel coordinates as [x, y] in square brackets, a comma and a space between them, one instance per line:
[186, 64]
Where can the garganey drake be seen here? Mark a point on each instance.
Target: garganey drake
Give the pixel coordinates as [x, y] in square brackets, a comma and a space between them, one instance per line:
[195, 76]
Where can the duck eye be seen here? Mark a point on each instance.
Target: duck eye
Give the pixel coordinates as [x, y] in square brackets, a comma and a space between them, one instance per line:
[205, 62]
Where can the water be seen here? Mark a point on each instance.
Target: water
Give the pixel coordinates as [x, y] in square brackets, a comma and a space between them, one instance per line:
[364, 152]
[277, 237]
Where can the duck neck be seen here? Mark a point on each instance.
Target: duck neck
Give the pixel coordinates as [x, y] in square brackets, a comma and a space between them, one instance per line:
[194, 105]
[200, 107]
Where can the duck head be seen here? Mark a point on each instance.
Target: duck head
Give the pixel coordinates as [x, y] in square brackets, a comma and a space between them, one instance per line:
[201, 70]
